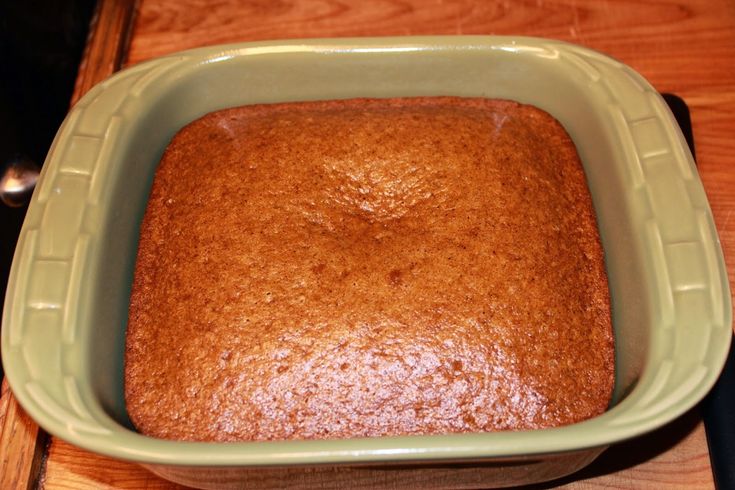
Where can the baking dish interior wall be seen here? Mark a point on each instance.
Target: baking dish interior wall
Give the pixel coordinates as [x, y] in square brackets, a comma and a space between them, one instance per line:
[184, 92]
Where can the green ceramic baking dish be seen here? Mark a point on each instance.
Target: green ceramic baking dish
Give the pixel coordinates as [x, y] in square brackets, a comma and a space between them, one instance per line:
[66, 308]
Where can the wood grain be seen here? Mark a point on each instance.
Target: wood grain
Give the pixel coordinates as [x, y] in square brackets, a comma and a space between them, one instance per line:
[663, 39]
[21, 444]
[71, 468]
[685, 47]
[107, 44]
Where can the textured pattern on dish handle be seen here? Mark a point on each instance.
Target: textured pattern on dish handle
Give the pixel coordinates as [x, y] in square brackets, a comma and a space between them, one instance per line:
[679, 233]
[60, 236]
[53, 250]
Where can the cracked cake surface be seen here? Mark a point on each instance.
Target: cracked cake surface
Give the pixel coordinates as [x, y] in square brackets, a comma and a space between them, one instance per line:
[368, 267]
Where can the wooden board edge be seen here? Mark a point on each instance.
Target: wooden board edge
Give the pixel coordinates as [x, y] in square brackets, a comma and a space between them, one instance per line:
[107, 43]
[22, 444]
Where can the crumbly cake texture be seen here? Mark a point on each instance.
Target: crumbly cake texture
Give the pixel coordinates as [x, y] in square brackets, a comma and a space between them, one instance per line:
[368, 267]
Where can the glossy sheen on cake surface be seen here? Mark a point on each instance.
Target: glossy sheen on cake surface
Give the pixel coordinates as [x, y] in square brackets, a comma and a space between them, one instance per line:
[368, 267]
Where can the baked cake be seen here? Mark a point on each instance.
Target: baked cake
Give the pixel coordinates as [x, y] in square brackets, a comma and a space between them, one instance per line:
[368, 267]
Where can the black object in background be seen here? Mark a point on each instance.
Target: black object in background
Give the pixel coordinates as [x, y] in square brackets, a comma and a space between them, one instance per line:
[41, 44]
[718, 407]
[681, 112]
[718, 410]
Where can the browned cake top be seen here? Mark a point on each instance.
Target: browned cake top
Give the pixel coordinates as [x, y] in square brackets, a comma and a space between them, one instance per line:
[367, 268]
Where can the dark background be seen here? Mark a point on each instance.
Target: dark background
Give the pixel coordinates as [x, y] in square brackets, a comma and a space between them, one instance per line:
[41, 44]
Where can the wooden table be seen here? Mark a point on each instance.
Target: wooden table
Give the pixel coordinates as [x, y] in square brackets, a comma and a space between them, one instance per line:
[683, 47]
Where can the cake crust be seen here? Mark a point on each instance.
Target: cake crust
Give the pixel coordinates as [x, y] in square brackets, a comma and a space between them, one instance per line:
[365, 268]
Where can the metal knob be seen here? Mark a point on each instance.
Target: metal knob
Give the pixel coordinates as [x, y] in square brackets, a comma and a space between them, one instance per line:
[18, 180]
